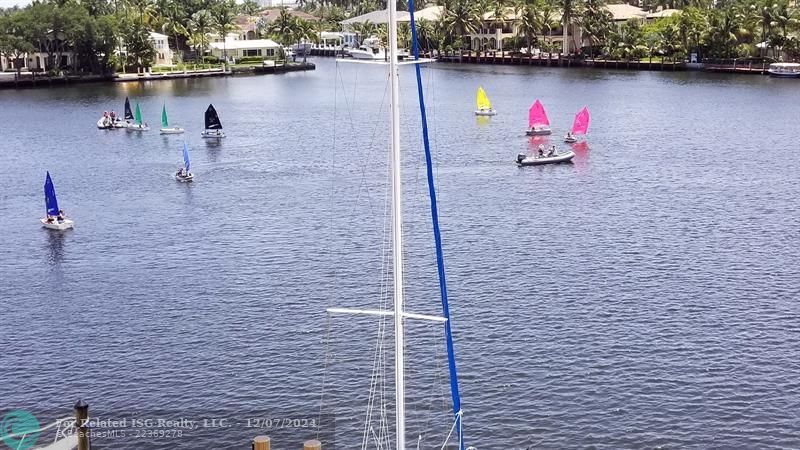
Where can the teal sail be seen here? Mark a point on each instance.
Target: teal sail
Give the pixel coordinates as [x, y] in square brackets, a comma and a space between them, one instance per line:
[50, 202]
[186, 157]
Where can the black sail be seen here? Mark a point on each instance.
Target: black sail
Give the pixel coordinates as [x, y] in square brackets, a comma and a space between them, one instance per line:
[212, 119]
[128, 112]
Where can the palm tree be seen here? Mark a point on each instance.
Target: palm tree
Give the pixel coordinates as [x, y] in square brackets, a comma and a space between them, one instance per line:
[173, 18]
[305, 32]
[461, 17]
[596, 22]
[223, 15]
[498, 12]
[200, 25]
[283, 28]
[782, 18]
[569, 11]
[526, 22]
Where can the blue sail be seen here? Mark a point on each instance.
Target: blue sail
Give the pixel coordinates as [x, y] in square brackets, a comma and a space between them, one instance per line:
[185, 157]
[451, 357]
[50, 202]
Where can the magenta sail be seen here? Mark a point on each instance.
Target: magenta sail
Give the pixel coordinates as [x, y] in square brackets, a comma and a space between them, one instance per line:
[581, 123]
[537, 116]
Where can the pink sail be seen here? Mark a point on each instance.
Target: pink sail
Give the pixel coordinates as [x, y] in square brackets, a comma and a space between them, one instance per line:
[581, 123]
[537, 116]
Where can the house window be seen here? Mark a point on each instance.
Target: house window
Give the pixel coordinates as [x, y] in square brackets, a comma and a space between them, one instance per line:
[252, 52]
[270, 52]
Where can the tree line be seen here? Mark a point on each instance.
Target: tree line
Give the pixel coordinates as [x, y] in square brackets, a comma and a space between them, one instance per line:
[97, 31]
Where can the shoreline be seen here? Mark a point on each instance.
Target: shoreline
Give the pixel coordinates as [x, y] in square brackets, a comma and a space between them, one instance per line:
[28, 80]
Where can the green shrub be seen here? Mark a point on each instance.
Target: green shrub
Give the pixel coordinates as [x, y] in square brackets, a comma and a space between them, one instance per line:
[211, 60]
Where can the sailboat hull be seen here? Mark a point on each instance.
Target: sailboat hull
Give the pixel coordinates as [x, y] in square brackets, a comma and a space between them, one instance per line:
[137, 127]
[570, 140]
[172, 130]
[543, 131]
[485, 112]
[65, 224]
[212, 134]
[184, 178]
[565, 157]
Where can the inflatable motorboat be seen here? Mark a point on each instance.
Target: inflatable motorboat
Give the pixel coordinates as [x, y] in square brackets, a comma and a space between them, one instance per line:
[212, 134]
[53, 223]
[485, 112]
[105, 124]
[172, 130]
[539, 131]
[535, 160]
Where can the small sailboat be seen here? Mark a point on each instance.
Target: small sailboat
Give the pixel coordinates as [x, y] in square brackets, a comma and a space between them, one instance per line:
[138, 124]
[165, 128]
[484, 105]
[541, 158]
[580, 126]
[55, 218]
[127, 119]
[213, 125]
[538, 123]
[183, 174]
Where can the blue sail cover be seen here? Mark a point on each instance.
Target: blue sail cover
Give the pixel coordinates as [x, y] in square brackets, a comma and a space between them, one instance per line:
[451, 357]
[50, 202]
[185, 157]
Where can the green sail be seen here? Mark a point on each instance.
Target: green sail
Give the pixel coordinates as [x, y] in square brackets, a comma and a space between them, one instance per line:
[164, 121]
[138, 115]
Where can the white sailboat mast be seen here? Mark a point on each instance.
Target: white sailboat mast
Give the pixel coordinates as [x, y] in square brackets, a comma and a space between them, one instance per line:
[397, 230]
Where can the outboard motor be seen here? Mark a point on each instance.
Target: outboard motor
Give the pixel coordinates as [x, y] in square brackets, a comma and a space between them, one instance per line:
[520, 157]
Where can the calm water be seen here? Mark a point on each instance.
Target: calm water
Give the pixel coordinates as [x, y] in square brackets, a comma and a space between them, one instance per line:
[645, 296]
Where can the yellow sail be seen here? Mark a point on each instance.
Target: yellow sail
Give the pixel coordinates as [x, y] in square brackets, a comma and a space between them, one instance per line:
[483, 100]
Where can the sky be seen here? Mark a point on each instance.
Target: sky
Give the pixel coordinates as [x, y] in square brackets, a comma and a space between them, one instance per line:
[10, 3]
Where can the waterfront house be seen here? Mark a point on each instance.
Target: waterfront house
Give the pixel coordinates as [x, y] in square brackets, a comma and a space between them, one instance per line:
[381, 16]
[664, 13]
[164, 55]
[621, 13]
[238, 48]
[495, 35]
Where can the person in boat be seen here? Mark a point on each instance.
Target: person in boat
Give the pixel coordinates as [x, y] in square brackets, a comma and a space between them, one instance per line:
[61, 215]
[552, 151]
[49, 219]
[569, 134]
[113, 117]
[541, 150]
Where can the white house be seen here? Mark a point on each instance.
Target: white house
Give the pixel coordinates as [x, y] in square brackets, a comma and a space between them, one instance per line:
[237, 49]
[163, 53]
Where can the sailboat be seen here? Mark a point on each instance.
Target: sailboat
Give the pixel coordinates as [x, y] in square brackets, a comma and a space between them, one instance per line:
[127, 119]
[397, 313]
[183, 174]
[138, 124]
[165, 128]
[213, 125]
[55, 218]
[484, 105]
[580, 126]
[538, 123]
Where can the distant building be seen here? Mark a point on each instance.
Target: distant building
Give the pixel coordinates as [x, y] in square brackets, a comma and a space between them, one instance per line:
[278, 3]
[237, 49]
[164, 54]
